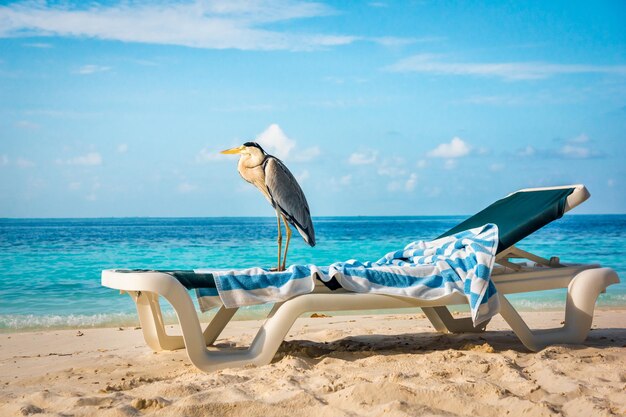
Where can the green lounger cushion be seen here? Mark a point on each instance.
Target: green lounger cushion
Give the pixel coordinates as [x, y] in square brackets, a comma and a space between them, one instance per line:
[518, 215]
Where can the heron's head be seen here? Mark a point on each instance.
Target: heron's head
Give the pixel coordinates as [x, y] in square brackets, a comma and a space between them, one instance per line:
[249, 150]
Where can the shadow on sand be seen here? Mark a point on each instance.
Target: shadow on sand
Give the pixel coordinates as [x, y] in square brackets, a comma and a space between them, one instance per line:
[427, 342]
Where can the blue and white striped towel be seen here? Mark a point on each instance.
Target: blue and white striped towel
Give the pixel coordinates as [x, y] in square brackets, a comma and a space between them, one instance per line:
[426, 270]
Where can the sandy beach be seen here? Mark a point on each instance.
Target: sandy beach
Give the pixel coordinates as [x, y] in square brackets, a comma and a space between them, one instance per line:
[331, 366]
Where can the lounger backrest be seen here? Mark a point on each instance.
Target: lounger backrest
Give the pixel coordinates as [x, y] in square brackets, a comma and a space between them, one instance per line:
[522, 213]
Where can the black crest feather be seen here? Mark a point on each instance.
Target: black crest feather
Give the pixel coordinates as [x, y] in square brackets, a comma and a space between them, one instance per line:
[255, 145]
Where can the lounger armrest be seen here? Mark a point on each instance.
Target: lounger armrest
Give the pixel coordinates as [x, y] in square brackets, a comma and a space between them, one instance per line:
[127, 280]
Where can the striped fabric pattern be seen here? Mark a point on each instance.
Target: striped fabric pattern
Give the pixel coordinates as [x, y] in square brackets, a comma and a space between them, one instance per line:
[425, 270]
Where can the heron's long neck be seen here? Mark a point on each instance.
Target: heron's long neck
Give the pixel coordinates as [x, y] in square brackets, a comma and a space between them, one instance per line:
[250, 161]
[251, 170]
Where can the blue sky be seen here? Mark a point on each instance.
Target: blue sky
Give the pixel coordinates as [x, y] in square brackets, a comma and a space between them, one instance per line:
[398, 108]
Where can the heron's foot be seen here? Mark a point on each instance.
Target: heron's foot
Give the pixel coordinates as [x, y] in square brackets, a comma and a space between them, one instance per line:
[279, 269]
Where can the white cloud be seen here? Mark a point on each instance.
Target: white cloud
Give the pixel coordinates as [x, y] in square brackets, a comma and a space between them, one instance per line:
[575, 152]
[495, 100]
[122, 148]
[24, 163]
[496, 167]
[421, 163]
[338, 184]
[40, 45]
[276, 142]
[185, 187]
[578, 148]
[432, 64]
[303, 176]
[245, 108]
[346, 103]
[450, 164]
[433, 191]
[410, 184]
[73, 186]
[392, 41]
[335, 80]
[610, 182]
[455, 149]
[25, 124]
[94, 187]
[198, 24]
[90, 159]
[582, 138]
[574, 148]
[363, 158]
[399, 185]
[4, 160]
[527, 151]
[562, 96]
[394, 185]
[392, 167]
[91, 69]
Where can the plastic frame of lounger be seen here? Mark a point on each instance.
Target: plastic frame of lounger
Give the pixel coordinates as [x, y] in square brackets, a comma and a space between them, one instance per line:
[584, 283]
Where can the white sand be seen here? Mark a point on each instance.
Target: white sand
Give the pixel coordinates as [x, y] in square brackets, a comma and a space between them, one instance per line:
[338, 366]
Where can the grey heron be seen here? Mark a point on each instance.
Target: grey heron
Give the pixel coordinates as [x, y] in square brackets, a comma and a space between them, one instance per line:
[280, 188]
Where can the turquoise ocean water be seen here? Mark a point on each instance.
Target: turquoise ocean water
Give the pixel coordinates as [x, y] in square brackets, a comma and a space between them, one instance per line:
[51, 267]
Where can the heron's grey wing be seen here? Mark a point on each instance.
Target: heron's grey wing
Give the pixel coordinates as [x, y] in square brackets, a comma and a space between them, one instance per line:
[287, 196]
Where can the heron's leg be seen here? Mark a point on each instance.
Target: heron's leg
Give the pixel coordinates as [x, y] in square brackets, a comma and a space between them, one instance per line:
[280, 239]
[288, 231]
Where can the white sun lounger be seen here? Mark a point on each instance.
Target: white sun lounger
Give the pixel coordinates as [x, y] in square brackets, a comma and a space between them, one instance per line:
[583, 282]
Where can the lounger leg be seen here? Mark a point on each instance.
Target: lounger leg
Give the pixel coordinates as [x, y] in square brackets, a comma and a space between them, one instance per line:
[435, 319]
[152, 324]
[260, 352]
[582, 293]
[443, 321]
[217, 324]
[220, 320]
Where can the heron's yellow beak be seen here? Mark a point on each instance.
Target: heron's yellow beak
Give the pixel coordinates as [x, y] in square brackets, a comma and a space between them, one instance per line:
[238, 149]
